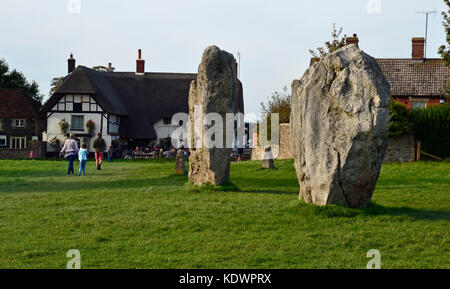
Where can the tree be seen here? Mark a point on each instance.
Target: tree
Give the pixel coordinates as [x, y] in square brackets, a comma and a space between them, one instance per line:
[444, 50]
[337, 41]
[55, 84]
[16, 80]
[446, 89]
[279, 103]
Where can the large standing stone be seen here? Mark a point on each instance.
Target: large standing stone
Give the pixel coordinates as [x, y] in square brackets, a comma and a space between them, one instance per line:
[180, 167]
[339, 126]
[216, 90]
[268, 162]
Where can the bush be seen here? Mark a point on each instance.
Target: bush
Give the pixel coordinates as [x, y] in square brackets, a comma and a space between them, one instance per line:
[431, 126]
[400, 119]
[90, 125]
[64, 126]
[279, 102]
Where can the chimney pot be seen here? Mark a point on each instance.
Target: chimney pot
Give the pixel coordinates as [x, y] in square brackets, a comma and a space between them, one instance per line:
[70, 64]
[352, 40]
[418, 49]
[140, 64]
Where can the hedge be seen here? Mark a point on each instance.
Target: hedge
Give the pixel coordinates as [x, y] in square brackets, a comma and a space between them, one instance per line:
[431, 126]
[400, 119]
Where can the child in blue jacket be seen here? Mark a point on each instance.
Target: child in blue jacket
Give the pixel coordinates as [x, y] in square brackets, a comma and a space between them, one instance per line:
[82, 157]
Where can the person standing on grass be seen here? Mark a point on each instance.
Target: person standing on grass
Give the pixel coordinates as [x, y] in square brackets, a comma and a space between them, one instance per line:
[110, 154]
[70, 151]
[99, 147]
[82, 157]
[240, 152]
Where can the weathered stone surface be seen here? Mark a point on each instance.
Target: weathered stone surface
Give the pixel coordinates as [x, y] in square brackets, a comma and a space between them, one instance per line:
[180, 166]
[267, 162]
[339, 126]
[216, 90]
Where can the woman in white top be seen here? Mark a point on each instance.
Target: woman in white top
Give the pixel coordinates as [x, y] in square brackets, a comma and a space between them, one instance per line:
[70, 151]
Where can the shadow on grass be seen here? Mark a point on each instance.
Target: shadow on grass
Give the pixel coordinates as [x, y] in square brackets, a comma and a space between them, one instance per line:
[31, 173]
[93, 183]
[267, 185]
[378, 210]
[227, 187]
[265, 191]
[97, 182]
[261, 186]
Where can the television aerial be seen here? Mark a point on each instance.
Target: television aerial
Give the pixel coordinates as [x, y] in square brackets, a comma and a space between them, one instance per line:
[427, 13]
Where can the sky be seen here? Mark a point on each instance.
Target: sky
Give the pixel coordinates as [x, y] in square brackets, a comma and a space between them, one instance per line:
[272, 36]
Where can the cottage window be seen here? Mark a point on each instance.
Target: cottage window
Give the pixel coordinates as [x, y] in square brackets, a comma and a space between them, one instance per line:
[18, 142]
[419, 104]
[167, 120]
[18, 123]
[3, 139]
[77, 122]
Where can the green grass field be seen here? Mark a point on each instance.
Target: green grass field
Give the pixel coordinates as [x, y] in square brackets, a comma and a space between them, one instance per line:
[137, 214]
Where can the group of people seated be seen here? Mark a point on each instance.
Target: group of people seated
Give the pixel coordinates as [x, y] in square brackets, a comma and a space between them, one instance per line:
[152, 151]
[130, 151]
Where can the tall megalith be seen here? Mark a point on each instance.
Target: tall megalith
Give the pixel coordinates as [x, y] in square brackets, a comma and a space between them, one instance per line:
[215, 93]
[339, 128]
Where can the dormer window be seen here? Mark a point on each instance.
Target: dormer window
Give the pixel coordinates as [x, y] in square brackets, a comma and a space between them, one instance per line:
[77, 107]
[18, 123]
[167, 120]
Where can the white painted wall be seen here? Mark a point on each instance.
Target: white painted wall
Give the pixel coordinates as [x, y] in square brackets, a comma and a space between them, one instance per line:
[164, 130]
[53, 128]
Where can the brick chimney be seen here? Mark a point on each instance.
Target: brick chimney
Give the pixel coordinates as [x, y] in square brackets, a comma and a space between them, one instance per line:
[418, 49]
[140, 64]
[70, 64]
[352, 40]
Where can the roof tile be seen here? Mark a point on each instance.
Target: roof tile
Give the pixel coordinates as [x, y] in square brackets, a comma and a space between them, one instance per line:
[408, 78]
[15, 103]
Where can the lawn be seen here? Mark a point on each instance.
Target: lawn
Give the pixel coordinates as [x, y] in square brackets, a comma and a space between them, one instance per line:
[137, 214]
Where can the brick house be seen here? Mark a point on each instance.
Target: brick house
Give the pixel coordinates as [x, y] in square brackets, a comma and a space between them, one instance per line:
[417, 81]
[19, 124]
